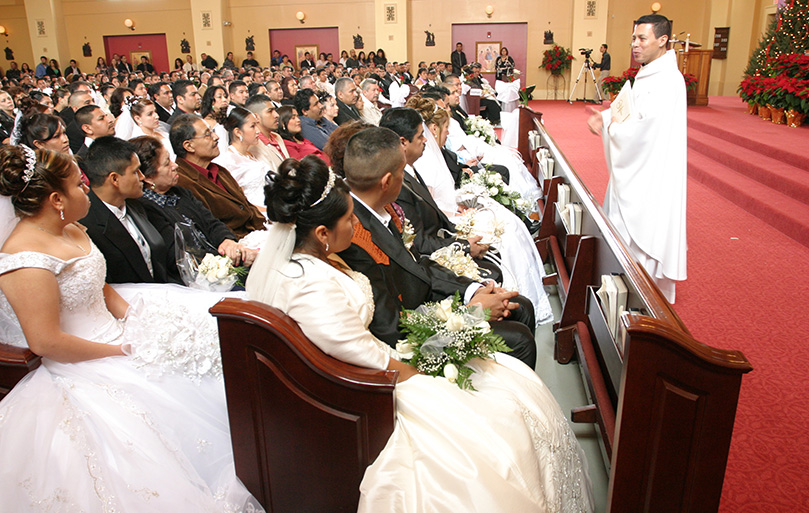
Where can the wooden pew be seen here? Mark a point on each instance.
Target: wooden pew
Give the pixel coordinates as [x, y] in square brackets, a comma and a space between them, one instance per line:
[15, 362]
[663, 403]
[304, 425]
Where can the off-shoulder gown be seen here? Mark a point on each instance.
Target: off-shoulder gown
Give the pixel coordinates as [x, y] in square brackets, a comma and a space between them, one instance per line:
[117, 434]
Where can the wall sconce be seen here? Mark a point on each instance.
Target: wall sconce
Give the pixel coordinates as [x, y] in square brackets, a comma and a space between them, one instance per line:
[128, 23]
[301, 16]
[489, 11]
[656, 7]
[3, 31]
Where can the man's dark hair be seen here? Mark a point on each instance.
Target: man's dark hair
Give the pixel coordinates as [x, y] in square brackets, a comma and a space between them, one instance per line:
[233, 85]
[154, 89]
[257, 102]
[301, 100]
[182, 129]
[244, 75]
[179, 88]
[135, 82]
[84, 116]
[369, 155]
[605, 46]
[660, 24]
[253, 87]
[73, 86]
[402, 120]
[107, 155]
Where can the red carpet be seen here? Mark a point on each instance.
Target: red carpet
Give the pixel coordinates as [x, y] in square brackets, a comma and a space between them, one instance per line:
[748, 282]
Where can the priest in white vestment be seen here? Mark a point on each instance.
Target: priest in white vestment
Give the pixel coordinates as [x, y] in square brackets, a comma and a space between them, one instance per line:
[646, 157]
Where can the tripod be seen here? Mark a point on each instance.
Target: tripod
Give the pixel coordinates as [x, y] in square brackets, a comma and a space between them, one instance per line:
[588, 66]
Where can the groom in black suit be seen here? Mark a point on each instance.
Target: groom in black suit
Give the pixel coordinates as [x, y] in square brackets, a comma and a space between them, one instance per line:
[374, 166]
[117, 223]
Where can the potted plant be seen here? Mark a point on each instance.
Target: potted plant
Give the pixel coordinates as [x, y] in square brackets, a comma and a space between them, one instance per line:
[556, 60]
[612, 85]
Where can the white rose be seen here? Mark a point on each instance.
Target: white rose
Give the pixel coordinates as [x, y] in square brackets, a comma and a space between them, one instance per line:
[451, 372]
[444, 309]
[455, 322]
[405, 349]
[493, 191]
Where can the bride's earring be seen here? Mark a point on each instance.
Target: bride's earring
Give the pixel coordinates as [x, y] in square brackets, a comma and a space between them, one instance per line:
[327, 247]
[240, 138]
[62, 215]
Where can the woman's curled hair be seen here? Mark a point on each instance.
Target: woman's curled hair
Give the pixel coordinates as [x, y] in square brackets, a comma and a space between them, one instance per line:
[296, 187]
[50, 172]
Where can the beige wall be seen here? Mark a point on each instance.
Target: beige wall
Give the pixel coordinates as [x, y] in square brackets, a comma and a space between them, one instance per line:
[90, 20]
[13, 17]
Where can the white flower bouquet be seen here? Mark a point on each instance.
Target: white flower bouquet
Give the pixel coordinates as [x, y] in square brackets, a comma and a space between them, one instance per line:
[215, 273]
[443, 337]
[454, 258]
[491, 184]
[481, 127]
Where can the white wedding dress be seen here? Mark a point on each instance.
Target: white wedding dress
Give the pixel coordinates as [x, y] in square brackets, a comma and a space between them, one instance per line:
[503, 448]
[147, 432]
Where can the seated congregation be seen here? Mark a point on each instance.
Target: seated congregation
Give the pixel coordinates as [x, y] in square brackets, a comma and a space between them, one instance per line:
[343, 210]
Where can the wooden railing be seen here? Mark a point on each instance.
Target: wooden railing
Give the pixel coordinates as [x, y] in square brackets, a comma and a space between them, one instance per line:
[664, 403]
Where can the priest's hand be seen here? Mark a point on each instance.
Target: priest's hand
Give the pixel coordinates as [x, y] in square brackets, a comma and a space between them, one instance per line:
[595, 122]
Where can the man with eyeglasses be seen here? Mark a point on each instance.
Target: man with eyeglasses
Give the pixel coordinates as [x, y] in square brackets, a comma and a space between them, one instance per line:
[196, 147]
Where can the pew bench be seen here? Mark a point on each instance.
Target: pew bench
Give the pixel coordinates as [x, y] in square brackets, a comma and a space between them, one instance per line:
[663, 403]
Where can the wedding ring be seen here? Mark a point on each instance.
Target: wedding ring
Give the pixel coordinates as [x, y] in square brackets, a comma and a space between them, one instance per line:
[238, 251]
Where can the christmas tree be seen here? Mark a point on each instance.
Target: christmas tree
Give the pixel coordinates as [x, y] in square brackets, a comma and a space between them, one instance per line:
[787, 34]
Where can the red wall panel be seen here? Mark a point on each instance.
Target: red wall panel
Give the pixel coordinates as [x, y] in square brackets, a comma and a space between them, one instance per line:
[284, 40]
[155, 43]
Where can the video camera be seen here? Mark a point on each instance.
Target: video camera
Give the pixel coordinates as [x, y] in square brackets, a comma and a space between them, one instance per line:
[586, 52]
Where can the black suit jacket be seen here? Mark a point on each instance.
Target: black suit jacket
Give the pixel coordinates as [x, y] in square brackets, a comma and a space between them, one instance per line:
[459, 115]
[125, 262]
[400, 282]
[425, 216]
[346, 113]
[458, 61]
[162, 113]
[176, 114]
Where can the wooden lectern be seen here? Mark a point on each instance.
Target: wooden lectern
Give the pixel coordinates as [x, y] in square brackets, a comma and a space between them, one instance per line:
[698, 63]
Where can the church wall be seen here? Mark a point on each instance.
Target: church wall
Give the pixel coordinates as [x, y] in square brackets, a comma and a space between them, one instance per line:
[91, 20]
[16, 22]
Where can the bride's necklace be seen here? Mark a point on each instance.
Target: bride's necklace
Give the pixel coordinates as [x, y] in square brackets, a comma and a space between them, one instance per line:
[63, 237]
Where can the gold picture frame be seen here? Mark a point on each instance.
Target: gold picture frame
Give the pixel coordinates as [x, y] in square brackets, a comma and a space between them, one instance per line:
[486, 53]
[300, 52]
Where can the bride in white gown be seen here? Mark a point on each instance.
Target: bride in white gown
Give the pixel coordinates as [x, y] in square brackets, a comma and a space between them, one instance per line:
[92, 429]
[505, 447]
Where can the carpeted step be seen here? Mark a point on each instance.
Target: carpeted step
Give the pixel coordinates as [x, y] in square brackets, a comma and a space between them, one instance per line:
[752, 162]
[753, 132]
[782, 212]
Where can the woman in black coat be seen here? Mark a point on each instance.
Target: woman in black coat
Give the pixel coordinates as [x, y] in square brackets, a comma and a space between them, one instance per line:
[166, 204]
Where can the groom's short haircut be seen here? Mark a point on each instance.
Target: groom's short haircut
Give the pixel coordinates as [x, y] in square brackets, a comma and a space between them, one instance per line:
[84, 116]
[402, 120]
[107, 155]
[370, 155]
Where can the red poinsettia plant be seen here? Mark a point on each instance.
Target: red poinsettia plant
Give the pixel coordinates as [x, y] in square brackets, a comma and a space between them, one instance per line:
[557, 60]
[784, 83]
[690, 82]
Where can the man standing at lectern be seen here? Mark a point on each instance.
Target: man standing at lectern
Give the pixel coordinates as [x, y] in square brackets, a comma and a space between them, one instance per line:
[646, 157]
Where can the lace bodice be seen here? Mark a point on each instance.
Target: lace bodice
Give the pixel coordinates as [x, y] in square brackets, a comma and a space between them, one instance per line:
[83, 311]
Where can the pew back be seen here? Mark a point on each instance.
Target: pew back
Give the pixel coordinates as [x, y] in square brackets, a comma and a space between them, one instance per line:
[304, 425]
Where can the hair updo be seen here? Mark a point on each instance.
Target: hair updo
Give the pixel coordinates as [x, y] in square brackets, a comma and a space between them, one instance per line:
[138, 107]
[299, 184]
[50, 173]
[39, 127]
[148, 150]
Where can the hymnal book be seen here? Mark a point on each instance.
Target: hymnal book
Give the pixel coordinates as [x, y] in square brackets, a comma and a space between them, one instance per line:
[548, 167]
[622, 106]
[612, 294]
[574, 210]
[562, 195]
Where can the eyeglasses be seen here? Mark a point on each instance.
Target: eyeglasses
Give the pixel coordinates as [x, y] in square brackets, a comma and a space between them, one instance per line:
[207, 135]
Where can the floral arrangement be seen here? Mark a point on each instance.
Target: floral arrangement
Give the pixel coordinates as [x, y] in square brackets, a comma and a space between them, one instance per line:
[613, 84]
[490, 183]
[215, 273]
[526, 94]
[557, 60]
[454, 258]
[785, 84]
[472, 222]
[443, 337]
[408, 233]
[690, 82]
[511, 77]
[481, 127]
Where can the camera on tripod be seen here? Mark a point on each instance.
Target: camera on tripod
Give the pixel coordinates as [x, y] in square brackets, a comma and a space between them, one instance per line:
[586, 52]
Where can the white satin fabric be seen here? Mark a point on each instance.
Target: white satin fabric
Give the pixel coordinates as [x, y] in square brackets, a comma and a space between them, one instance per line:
[117, 433]
[504, 448]
[248, 171]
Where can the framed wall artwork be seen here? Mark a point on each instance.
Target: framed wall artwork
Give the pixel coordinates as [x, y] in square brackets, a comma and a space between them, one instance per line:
[486, 53]
[300, 53]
